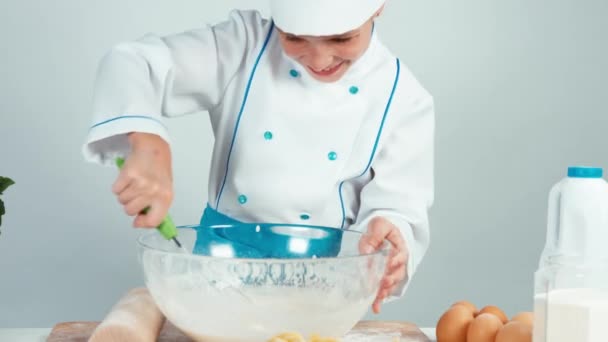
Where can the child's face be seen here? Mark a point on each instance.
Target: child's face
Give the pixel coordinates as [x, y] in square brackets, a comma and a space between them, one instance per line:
[327, 58]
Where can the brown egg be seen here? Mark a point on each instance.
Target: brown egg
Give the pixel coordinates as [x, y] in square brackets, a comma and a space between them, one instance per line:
[524, 317]
[453, 324]
[494, 310]
[515, 332]
[468, 304]
[484, 328]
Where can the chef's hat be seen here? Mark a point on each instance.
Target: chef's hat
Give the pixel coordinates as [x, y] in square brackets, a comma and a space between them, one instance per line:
[322, 17]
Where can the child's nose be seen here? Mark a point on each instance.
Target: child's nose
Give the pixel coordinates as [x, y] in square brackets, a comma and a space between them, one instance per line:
[320, 60]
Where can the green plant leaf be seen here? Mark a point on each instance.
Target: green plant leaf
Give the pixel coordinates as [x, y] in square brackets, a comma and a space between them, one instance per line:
[5, 182]
[2, 211]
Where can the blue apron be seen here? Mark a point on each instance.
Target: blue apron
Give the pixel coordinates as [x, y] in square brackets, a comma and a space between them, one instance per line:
[223, 236]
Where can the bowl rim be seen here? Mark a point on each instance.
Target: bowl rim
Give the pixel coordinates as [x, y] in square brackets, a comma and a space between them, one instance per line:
[385, 249]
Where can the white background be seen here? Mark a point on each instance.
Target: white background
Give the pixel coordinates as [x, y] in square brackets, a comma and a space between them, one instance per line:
[520, 89]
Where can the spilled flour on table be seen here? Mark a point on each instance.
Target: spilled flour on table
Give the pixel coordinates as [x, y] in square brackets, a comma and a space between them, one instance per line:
[376, 335]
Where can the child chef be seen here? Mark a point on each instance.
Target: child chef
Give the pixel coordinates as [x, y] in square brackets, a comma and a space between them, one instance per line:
[315, 122]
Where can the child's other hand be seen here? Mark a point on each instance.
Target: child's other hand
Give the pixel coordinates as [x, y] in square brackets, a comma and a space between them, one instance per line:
[145, 180]
[380, 229]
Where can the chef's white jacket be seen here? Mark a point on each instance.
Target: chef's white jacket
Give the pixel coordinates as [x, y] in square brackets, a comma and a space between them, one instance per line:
[288, 148]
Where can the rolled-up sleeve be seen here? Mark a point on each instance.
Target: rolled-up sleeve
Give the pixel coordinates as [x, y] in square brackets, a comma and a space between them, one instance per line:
[142, 82]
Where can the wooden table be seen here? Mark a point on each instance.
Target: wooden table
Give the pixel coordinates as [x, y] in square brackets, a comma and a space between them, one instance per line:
[41, 334]
[81, 330]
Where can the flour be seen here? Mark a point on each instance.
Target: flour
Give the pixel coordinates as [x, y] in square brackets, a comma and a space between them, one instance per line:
[376, 336]
[568, 315]
[254, 314]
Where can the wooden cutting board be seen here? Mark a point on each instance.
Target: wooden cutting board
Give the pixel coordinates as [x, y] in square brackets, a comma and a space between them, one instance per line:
[81, 331]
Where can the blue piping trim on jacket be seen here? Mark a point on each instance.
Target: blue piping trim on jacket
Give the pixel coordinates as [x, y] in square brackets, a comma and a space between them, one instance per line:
[238, 120]
[128, 117]
[369, 163]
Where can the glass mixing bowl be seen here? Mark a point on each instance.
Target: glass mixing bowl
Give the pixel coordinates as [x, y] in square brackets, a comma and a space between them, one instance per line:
[215, 298]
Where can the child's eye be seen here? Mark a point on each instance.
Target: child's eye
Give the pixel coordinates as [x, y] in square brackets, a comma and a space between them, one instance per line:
[341, 40]
[293, 38]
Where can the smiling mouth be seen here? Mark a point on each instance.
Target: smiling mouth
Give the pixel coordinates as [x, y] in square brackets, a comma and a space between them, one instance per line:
[327, 71]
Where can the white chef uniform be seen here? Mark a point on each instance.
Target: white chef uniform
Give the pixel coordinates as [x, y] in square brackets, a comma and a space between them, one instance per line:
[288, 148]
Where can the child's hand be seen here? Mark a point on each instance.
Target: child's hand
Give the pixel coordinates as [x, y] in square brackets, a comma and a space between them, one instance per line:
[145, 180]
[380, 229]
